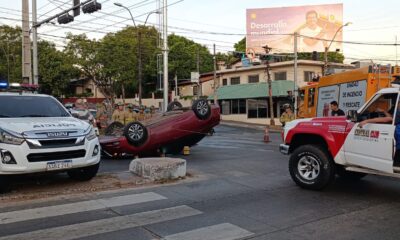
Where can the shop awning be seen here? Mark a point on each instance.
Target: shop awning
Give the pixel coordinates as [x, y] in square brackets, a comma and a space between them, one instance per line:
[254, 90]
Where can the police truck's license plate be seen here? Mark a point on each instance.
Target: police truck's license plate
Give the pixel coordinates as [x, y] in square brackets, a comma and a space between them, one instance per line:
[56, 165]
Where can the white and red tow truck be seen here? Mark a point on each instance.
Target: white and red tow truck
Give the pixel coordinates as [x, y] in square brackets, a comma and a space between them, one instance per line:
[321, 148]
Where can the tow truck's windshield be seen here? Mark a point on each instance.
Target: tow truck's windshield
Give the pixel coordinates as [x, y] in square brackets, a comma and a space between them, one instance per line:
[30, 107]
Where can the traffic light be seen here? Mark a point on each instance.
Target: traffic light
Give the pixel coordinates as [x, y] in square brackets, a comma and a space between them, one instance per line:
[64, 19]
[314, 56]
[91, 7]
[77, 11]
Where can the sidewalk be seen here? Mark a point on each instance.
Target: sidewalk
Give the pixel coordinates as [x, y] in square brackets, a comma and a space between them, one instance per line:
[251, 125]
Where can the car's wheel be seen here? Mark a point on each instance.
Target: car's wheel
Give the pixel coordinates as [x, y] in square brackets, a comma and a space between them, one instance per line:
[174, 105]
[135, 133]
[311, 167]
[202, 109]
[85, 173]
[4, 184]
[114, 129]
[348, 175]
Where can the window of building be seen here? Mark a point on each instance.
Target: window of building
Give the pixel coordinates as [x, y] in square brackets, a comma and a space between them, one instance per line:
[195, 90]
[308, 76]
[235, 80]
[226, 107]
[224, 82]
[242, 106]
[257, 108]
[311, 97]
[280, 76]
[235, 106]
[254, 78]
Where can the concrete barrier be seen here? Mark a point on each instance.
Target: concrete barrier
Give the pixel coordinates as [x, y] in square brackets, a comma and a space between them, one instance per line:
[158, 168]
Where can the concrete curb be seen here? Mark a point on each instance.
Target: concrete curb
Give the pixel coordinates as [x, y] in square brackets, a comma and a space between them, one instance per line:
[251, 126]
[157, 169]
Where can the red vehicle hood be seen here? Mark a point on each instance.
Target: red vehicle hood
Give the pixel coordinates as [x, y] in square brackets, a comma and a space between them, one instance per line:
[333, 130]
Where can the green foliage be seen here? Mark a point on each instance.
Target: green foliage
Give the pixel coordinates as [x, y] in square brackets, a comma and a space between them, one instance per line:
[241, 45]
[10, 53]
[55, 69]
[332, 56]
[183, 57]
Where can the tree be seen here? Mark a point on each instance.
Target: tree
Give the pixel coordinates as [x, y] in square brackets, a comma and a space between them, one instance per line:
[332, 56]
[55, 69]
[241, 45]
[10, 53]
[183, 57]
[85, 54]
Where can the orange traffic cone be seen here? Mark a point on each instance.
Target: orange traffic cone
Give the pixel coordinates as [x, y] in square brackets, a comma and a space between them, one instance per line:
[266, 135]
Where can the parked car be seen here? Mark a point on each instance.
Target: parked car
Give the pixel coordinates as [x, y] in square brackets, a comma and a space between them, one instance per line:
[37, 134]
[166, 132]
[87, 116]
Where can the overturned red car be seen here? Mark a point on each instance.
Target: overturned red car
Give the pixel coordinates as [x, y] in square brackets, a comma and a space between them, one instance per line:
[164, 133]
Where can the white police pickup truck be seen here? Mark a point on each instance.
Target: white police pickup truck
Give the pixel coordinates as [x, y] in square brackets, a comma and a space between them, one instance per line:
[37, 134]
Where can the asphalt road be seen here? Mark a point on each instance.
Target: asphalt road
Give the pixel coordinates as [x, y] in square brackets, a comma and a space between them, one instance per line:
[241, 189]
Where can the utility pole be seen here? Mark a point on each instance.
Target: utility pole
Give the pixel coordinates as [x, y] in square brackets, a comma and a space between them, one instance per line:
[140, 64]
[176, 84]
[34, 45]
[215, 78]
[198, 71]
[26, 43]
[295, 93]
[165, 51]
[271, 103]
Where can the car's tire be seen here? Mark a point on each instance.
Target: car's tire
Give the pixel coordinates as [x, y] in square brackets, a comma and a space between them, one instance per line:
[136, 133]
[311, 167]
[174, 105]
[348, 175]
[85, 173]
[202, 109]
[114, 129]
[4, 184]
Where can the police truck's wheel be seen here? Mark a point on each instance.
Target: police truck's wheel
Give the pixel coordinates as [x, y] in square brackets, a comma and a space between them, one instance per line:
[4, 184]
[311, 167]
[174, 105]
[347, 175]
[202, 109]
[85, 173]
[135, 133]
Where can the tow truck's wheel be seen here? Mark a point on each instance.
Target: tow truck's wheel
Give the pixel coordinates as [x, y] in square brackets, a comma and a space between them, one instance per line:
[4, 184]
[311, 167]
[348, 175]
[174, 105]
[202, 109]
[85, 173]
[135, 133]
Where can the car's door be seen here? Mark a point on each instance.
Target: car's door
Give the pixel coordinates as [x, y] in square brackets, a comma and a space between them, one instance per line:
[372, 146]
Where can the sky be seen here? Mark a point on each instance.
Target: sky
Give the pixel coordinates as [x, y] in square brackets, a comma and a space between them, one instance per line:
[205, 21]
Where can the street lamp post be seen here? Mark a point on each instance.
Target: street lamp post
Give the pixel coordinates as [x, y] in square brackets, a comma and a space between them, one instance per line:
[327, 48]
[139, 50]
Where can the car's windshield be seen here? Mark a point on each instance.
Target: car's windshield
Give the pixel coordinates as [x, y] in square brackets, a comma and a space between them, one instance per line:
[30, 106]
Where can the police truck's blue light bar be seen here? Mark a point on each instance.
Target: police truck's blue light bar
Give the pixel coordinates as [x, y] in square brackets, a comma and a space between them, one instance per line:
[3, 84]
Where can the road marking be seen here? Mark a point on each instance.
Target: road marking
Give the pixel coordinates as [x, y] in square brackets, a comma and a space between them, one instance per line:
[86, 229]
[224, 231]
[58, 210]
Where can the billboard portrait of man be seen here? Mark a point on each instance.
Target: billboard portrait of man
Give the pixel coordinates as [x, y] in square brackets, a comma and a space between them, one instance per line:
[316, 26]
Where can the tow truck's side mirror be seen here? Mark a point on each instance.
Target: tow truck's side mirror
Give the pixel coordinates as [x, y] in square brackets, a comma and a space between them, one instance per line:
[352, 115]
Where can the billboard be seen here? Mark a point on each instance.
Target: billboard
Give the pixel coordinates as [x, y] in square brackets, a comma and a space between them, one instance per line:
[275, 27]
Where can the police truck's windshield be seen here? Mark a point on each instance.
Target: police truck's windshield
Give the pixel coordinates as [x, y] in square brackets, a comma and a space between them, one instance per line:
[30, 106]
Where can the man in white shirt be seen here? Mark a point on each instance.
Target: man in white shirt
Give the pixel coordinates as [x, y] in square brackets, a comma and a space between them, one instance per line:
[311, 29]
